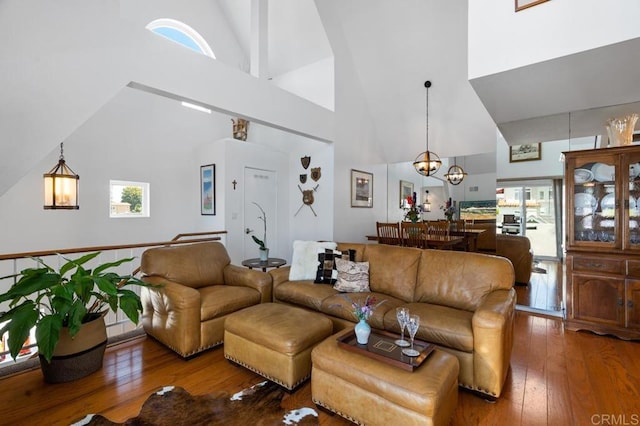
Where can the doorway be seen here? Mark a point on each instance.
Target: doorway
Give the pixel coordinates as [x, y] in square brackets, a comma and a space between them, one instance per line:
[534, 209]
[530, 209]
[260, 188]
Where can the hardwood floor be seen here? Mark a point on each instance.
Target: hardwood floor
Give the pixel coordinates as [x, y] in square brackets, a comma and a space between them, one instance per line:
[557, 377]
[544, 291]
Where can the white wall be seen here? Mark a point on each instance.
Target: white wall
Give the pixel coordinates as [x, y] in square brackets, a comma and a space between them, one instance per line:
[269, 149]
[136, 137]
[500, 39]
[314, 82]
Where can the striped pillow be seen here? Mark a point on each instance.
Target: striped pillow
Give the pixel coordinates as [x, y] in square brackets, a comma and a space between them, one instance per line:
[327, 273]
[353, 277]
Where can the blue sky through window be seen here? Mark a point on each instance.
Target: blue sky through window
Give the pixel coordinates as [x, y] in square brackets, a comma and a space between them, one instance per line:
[179, 37]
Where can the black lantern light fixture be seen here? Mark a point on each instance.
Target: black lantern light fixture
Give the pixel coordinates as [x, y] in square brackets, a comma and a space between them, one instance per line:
[427, 204]
[427, 163]
[456, 174]
[61, 187]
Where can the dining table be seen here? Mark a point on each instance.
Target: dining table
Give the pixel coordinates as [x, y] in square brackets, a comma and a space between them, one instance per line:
[470, 235]
[434, 241]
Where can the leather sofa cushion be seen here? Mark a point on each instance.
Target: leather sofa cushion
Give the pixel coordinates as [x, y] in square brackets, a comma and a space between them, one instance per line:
[357, 247]
[219, 300]
[445, 326]
[339, 306]
[393, 270]
[192, 265]
[459, 279]
[303, 293]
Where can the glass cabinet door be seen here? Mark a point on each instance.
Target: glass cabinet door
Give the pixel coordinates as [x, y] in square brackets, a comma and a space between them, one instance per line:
[632, 203]
[595, 205]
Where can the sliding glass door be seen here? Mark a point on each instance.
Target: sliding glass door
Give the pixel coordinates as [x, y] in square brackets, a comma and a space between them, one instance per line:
[531, 208]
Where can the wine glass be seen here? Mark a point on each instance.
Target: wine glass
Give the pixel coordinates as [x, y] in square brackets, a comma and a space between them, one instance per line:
[402, 314]
[412, 326]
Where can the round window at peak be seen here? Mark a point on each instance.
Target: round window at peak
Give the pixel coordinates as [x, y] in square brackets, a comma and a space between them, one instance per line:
[181, 33]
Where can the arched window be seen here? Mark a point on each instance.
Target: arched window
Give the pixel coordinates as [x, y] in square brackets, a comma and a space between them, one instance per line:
[181, 33]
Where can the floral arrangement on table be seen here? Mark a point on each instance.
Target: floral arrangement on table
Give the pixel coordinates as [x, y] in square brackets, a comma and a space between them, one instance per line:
[363, 311]
[449, 209]
[414, 212]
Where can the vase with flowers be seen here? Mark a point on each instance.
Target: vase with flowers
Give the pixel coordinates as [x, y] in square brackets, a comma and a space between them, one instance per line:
[414, 213]
[362, 311]
[262, 243]
[449, 209]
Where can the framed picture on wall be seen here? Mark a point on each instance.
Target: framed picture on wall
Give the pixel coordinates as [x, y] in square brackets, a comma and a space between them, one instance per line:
[208, 189]
[361, 189]
[527, 152]
[524, 4]
[406, 190]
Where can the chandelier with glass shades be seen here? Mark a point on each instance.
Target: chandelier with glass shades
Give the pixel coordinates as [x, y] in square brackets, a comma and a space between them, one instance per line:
[456, 174]
[427, 163]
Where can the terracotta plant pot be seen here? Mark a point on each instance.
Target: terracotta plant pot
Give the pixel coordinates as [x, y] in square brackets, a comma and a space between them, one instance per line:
[79, 356]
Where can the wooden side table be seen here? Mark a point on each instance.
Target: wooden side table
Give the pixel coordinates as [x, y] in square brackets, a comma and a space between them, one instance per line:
[272, 262]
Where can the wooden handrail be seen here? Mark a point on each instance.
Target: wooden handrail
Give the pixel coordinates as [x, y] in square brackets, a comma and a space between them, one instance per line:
[115, 247]
[197, 234]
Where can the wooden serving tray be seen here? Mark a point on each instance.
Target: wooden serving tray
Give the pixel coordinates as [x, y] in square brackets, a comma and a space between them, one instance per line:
[381, 347]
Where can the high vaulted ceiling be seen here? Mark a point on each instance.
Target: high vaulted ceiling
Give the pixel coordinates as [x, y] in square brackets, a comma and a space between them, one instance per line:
[396, 46]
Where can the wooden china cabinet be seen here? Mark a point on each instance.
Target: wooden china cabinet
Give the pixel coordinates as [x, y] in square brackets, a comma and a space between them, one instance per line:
[603, 241]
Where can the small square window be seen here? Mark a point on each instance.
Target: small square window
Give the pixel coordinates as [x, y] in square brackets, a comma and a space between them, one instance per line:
[128, 199]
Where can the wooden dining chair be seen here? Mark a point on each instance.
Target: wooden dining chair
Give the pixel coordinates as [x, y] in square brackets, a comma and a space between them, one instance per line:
[438, 228]
[389, 233]
[457, 225]
[458, 228]
[414, 234]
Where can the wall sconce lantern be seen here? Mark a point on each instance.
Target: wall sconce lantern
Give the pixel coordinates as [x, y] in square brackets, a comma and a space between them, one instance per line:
[427, 163]
[61, 187]
[427, 204]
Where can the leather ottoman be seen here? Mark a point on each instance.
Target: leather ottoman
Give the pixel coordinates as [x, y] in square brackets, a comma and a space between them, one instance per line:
[275, 341]
[367, 391]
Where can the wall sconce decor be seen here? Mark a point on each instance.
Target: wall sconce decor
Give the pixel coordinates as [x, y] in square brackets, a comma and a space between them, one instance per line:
[61, 187]
[427, 163]
[240, 129]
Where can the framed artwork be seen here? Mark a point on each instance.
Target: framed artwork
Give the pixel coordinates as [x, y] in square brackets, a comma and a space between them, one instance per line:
[361, 189]
[527, 152]
[406, 190]
[208, 189]
[524, 4]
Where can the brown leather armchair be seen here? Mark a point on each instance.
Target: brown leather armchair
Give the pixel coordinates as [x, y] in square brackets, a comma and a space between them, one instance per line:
[199, 288]
[516, 248]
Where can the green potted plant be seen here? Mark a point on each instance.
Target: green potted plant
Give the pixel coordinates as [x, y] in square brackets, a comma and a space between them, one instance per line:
[262, 243]
[67, 309]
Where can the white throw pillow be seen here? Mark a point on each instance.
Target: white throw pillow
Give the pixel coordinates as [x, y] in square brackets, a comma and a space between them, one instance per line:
[304, 263]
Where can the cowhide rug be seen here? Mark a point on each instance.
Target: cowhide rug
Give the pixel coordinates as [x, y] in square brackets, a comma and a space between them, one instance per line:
[257, 405]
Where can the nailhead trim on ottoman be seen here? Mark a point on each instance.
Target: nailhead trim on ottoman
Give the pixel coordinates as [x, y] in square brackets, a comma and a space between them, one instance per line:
[275, 341]
[366, 391]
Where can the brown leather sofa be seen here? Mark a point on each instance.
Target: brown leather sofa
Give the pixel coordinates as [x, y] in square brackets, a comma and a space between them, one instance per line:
[466, 303]
[516, 248]
[200, 288]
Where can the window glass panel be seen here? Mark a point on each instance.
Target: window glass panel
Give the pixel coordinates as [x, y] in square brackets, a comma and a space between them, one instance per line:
[128, 199]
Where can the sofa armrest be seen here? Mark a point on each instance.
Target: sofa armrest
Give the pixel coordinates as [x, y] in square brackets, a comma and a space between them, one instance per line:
[257, 280]
[171, 314]
[493, 340]
[279, 275]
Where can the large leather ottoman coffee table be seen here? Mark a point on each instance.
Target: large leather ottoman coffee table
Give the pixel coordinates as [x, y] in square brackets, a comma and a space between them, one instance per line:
[368, 391]
[275, 341]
